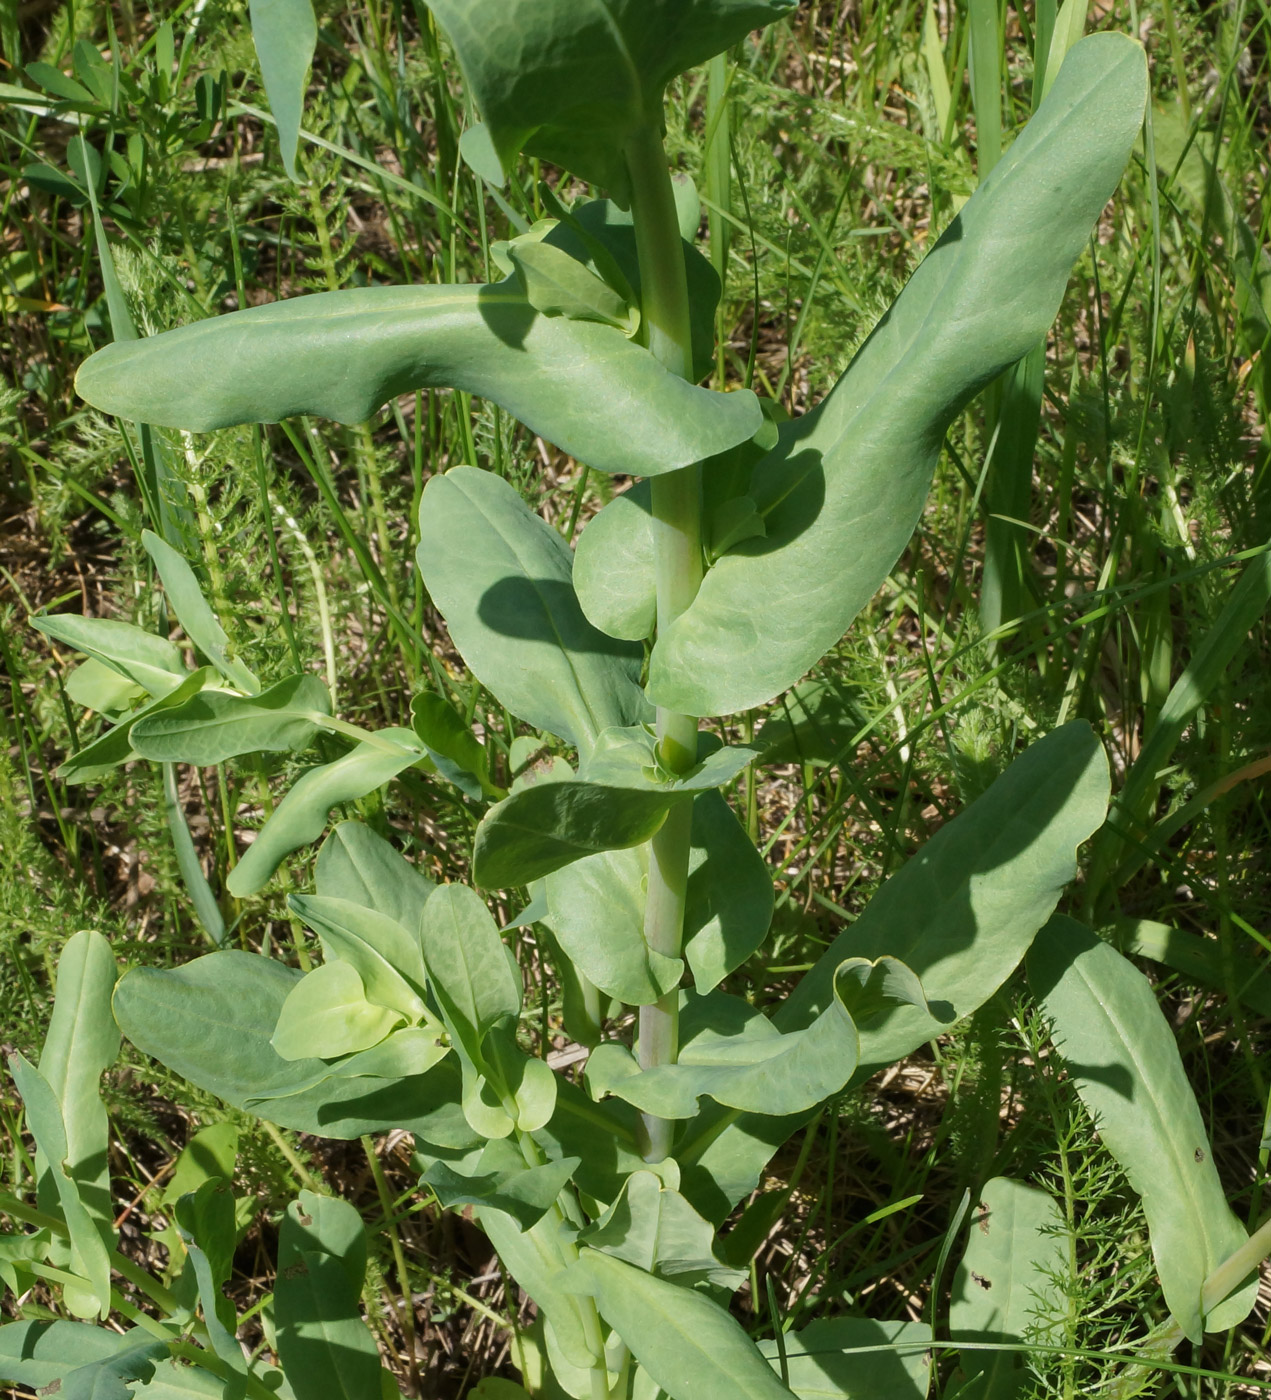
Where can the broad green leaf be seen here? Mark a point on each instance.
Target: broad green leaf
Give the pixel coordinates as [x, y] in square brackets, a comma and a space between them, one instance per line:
[732, 1053]
[1005, 1285]
[470, 969]
[326, 1350]
[191, 610]
[326, 1015]
[214, 726]
[113, 1377]
[406, 1053]
[614, 567]
[961, 913]
[99, 687]
[653, 1227]
[148, 660]
[500, 576]
[39, 1354]
[602, 1135]
[595, 907]
[285, 33]
[559, 285]
[1124, 1061]
[693, 1348]
[845, 486]
[387, 958]
[855, 1358]
[620, 800]
[357, 865]
[452, 746]
[301, 816]
[597, 395]
[89, 1257]
[815, 723]
[82, 1042]
[211, 1021]
[572, 84]
[114, 747]
[496, 1388]
[730, 898]
[502, 1181]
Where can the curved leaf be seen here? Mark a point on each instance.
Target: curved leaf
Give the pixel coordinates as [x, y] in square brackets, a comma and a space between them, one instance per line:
[386, 955]
[693, 1348]
[327, 1015]
[150, 661]
[597, 395]
[845, 487]
[1123, 1058]
[855, 1358]
[301, 816]
[214, 726]
[501, 577]
[357, 865]
[573, 83]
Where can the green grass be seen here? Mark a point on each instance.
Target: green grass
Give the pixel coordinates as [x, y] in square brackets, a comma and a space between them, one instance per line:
[1149, 493]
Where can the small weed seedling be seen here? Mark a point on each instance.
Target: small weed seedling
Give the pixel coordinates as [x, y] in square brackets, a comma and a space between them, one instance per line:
[711, 587]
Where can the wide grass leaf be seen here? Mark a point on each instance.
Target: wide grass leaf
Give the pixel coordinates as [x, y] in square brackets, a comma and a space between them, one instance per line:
[693, 1348]
[501, 577]
[841, 493]
[1016, 1250]
[301, 816]
[1124, 1061]
[855, 1358]
[572, 83]
[597, 395]
[960, 913]
[214, 726]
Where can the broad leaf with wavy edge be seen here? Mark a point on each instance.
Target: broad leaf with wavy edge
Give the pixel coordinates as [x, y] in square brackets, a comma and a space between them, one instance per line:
[845, 486]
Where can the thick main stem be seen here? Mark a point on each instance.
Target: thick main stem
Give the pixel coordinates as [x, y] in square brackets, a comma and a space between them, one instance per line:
[678, 542]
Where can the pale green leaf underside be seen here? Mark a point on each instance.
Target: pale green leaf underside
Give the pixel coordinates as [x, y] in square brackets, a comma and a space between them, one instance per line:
[327, 1015]
[501, 577]
[1124, 1060]
[597, 395]
[844, 488]
[571, 82]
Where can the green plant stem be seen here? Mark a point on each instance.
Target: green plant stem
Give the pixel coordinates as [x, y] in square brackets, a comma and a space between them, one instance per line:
[677, 516]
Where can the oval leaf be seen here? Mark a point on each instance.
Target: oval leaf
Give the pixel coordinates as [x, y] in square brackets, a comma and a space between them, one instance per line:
[327, 1015]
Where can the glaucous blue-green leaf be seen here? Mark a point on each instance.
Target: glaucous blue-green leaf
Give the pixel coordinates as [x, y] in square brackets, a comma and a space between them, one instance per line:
[114, 747]
[357, 865]
[285, 33]
[501, 578]
[40, 1354]
[614, 567]
[148, 660]
[845, 486]
[500, 1179]
[733, 1053]
[572, 84]
[211, 1022]
[1124, 1061]
[327, 1351]
[89, 1258]
[595, 908]
[301, 816]
[82, 1042]
[693, 1348]
[327, 1014]
[620, 800]
[855, 1358]
[1016, 1250]
[960, 913]
[386, 956]
[653, 1227]
[452, 746]
[205, 1221]
[192, 611]
[472, 974]
[213, 725]
[99, 687]
[559, 285]
[597, 395]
